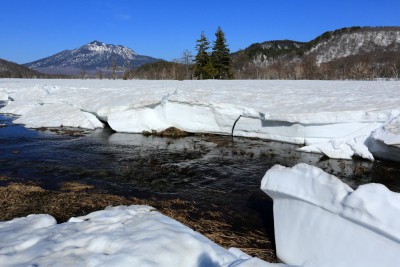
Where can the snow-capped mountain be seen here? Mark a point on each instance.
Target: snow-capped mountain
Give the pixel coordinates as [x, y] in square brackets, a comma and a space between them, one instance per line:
[91, 58]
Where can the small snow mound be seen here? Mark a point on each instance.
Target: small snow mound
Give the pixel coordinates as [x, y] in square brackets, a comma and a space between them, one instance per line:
[117, 236]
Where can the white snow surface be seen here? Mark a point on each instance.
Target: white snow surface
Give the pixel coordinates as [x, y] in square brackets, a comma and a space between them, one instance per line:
[320, 221]
[3, 95]
[117, 236]
[331, 117]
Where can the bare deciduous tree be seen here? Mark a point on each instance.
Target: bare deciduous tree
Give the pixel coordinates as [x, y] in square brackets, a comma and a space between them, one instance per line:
[187, 59]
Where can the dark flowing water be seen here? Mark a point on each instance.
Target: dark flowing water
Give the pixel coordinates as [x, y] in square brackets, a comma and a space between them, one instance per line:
[207, 170]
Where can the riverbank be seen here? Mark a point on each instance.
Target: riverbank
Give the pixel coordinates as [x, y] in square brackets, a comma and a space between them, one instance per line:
[19, 199]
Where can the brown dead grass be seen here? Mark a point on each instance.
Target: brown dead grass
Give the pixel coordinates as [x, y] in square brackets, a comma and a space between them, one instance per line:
[64, 131]
[169, 132]
[18, 200]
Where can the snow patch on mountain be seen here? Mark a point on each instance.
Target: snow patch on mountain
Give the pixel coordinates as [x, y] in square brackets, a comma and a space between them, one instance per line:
[349, 44]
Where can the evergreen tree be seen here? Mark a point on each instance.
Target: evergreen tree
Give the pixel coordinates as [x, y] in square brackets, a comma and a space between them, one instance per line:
[220, 56]
[210, 71]
[202, 57]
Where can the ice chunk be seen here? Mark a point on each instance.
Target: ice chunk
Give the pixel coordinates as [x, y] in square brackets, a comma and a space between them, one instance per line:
[320, 221]
[346, 146]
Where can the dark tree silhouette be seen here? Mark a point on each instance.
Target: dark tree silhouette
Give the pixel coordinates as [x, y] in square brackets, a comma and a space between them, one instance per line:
[220, 56]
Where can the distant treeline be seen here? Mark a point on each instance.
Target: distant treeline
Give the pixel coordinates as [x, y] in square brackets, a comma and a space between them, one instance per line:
[162, 70]
[358, 67]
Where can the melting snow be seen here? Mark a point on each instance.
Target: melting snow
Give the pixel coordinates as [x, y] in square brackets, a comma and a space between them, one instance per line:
[335, 118]
[118, 236]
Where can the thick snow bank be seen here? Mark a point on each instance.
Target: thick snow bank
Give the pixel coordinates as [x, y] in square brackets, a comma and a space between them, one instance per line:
[320, 221]
[119, 236]
[331, 117]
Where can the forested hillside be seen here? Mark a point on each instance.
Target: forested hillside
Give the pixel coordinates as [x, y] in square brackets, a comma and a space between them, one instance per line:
[348, 53]
[13, 70]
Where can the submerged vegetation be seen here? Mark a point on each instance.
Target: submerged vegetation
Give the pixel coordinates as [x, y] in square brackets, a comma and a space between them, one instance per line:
[169, 132]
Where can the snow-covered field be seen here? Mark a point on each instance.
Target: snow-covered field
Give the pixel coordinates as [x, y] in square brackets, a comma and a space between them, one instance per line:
[320, 221]
[335, 118]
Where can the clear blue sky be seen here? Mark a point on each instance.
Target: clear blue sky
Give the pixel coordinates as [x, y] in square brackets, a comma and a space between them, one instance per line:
[33, 29]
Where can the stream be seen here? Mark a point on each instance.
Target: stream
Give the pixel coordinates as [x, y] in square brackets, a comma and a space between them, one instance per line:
[203, 169]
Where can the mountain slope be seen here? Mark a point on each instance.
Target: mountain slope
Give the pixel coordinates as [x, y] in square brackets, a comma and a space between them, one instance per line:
[347, 53]
[362, 41]
[10, 69]
[91, 58]
[265, 52]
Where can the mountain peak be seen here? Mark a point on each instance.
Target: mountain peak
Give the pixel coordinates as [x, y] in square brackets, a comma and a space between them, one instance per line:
[93, 57]
[98, 43]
